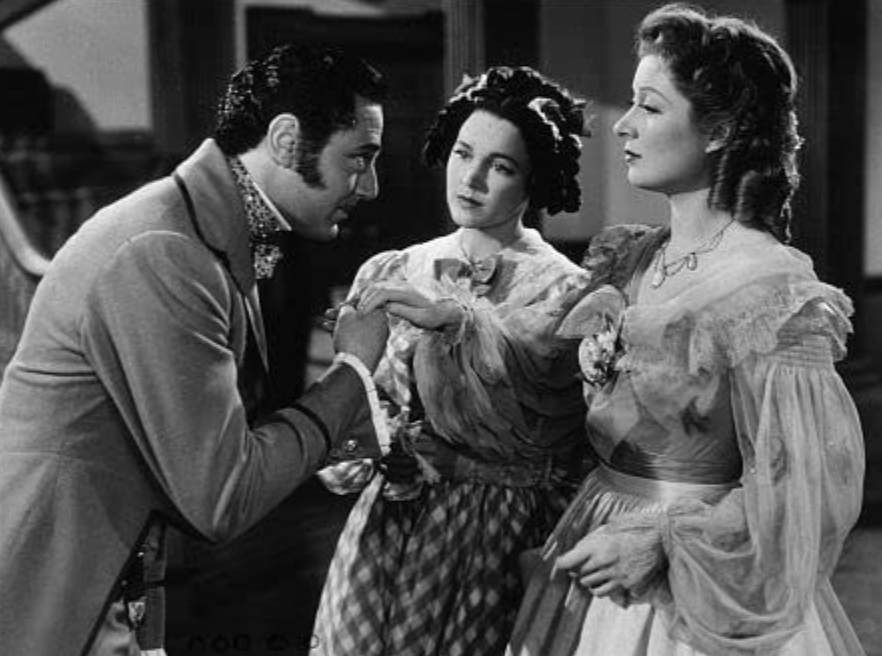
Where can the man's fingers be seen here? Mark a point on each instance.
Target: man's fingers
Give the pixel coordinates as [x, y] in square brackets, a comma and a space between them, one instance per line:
[344, 311]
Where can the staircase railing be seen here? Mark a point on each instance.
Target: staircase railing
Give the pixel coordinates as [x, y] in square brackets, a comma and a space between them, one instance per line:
[13, 11]
[21, 268]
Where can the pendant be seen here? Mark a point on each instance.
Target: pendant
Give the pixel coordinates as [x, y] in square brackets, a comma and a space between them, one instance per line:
[692, 261]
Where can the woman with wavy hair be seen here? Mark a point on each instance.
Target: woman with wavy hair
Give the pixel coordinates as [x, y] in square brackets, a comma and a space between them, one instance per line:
[486, 401]
[730, 453]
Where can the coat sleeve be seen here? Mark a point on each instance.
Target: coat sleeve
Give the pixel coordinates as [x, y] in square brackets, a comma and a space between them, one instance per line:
[157, 328]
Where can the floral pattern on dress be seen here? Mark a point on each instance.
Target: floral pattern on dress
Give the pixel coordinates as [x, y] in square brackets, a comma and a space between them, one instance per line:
[728, 385]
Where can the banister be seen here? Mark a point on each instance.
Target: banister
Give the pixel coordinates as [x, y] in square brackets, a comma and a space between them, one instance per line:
[20, 248]
[13, 11]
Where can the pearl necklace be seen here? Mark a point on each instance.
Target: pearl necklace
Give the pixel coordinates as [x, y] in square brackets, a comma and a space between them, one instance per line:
[662, 269]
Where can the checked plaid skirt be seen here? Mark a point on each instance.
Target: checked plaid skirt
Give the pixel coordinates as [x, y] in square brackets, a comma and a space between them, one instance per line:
[433, 576]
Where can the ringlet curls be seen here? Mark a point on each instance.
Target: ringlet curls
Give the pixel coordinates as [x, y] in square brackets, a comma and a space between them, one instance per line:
[741, 85]
[550, 121]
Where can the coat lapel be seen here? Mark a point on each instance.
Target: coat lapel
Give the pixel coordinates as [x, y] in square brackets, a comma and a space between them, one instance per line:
[219, 216]
[255, 318]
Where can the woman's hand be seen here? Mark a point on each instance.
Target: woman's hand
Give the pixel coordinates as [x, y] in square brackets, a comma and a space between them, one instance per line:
[620, 565]
[408, 303]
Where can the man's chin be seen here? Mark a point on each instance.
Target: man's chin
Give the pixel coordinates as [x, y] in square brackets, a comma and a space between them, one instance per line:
[329, 233]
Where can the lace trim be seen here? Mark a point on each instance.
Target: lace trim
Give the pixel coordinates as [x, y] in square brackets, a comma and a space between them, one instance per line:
[587, 316]
[757, 319]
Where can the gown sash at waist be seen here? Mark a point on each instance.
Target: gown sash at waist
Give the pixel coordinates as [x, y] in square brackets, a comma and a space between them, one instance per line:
[659, 490]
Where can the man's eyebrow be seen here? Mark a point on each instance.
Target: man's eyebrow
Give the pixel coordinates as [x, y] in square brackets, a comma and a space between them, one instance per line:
[369, 148]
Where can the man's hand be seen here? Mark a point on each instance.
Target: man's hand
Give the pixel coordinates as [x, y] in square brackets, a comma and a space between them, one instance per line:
[361, 334]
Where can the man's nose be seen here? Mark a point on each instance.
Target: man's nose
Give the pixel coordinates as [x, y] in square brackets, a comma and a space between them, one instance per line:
[368, 184]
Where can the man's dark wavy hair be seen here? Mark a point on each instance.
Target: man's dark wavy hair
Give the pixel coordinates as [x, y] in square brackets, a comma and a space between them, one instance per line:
[741, 85]
[317, 85]
[549, 119]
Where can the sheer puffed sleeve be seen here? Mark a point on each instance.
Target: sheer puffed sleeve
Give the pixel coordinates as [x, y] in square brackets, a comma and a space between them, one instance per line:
[505, 371]
[382, 267]
[743, 573]
[609, 262]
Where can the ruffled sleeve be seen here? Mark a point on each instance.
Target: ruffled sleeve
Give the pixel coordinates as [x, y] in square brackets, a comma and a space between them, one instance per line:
[612, 254]
[609, 262]
[506, 372]
[595, 319]
[743, 573]
[387, 266]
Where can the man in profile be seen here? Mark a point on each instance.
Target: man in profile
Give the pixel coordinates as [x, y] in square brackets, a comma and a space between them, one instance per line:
[134, 397]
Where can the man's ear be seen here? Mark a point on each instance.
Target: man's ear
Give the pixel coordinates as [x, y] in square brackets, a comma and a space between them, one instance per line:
[281, 137]
[719, 138]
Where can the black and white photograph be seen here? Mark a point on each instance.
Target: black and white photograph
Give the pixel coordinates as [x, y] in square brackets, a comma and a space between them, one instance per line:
[440, 327]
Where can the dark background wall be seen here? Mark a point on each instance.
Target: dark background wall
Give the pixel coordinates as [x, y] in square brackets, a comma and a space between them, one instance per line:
[60, 162]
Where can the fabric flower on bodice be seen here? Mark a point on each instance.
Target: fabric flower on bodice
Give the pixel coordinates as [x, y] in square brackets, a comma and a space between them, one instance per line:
[597, 321]
[598, 354]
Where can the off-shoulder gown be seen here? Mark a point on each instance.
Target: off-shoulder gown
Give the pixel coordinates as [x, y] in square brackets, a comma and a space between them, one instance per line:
[726, 428]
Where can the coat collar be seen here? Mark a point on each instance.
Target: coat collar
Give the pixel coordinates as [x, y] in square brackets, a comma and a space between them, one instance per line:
[219, 214]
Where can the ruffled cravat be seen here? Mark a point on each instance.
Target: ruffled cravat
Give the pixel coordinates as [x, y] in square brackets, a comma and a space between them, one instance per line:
[262, 223]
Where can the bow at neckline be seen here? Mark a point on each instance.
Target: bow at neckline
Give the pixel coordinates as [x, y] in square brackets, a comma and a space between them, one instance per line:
[480, 273]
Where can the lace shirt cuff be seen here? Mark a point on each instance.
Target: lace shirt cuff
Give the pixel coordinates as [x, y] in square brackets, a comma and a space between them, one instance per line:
[377, 413]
